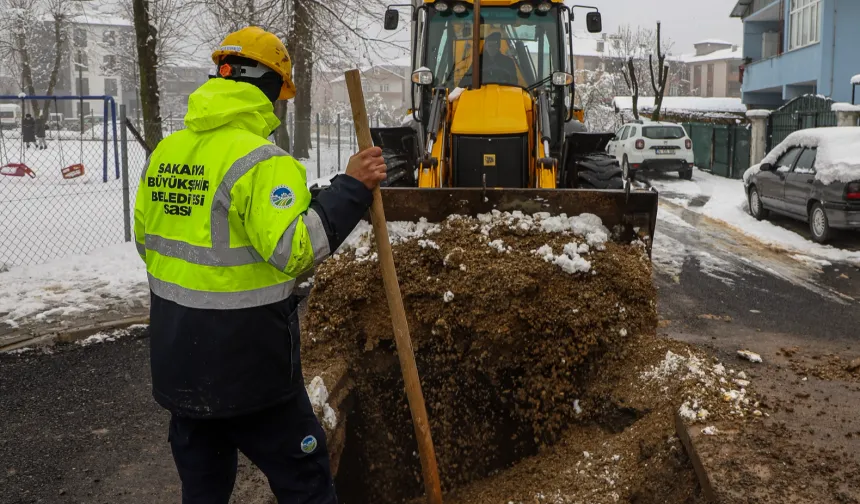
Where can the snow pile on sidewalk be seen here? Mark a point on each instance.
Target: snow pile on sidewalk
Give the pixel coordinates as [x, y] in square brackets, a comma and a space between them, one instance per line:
[74, 285]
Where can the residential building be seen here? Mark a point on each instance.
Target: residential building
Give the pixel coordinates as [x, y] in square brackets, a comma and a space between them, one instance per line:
[797, 47]
[715, 69]
[391, 82]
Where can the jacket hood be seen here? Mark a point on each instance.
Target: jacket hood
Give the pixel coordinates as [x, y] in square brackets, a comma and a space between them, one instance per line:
[220, 102]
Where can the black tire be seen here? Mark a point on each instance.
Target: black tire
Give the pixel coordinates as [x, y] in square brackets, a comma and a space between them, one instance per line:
[757, 209]
[819, 224]
[625, 168]
[686, 174]
[597, 171]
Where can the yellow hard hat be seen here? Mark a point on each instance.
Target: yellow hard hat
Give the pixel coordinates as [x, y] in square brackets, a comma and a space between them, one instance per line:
[263, 47]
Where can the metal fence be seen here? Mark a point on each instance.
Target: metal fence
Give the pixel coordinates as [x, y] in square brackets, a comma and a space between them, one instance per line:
[720, 148]
[74, 192]
[808, 111]
[60, 187]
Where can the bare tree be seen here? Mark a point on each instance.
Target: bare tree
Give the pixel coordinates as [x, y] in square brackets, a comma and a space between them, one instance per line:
[658, 84]
[25, 27]
[301, 24]
[146, 36]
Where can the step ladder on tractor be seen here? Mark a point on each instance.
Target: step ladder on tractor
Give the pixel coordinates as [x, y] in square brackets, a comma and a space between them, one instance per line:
[13, 169]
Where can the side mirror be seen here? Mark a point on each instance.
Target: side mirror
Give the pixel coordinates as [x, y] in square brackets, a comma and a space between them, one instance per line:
[392, 19]
[594, 22]
[562, 79]
[423, 76]
[766, 167]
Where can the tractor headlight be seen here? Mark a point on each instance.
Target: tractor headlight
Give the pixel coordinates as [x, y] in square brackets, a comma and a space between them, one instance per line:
[544, 7]
[562, 79]
[423, 76]
[459, 8]
[441, 6]
[526, 8]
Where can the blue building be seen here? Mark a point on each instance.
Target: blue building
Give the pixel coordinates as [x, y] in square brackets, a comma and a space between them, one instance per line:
[798, 47]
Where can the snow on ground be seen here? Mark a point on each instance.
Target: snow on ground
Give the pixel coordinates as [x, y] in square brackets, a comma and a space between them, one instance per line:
[73, 284]
[669, 256]
[63, 241]
[727, 202]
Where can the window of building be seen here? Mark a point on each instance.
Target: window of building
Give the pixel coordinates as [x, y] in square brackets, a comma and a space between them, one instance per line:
[384, 88]
[80, 37]
[83, 87]
[710, 92]
[109, 63]
[109, 38]
[804, 22]
[734, 89]
[697, 79]
[111, 87]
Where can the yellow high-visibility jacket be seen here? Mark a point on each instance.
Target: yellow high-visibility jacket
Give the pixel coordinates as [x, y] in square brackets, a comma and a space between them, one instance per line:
[226, 224]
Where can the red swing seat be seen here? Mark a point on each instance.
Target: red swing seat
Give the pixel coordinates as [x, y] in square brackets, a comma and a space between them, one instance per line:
[73, 171]
[17, 170]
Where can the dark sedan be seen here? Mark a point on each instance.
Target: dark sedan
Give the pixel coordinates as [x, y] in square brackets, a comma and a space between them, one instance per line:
[789, 186]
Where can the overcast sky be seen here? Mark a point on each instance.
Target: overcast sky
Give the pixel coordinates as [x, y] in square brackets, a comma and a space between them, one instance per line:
[684, 21]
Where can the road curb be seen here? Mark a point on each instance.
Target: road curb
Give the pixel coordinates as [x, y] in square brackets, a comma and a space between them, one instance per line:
[76, 334]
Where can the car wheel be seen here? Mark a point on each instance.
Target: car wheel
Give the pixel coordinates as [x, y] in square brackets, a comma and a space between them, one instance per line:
[819, 224]
[757, 209]
[686, 174]
[625, 168]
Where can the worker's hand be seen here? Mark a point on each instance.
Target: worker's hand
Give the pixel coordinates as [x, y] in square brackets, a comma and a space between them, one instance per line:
[368, 167]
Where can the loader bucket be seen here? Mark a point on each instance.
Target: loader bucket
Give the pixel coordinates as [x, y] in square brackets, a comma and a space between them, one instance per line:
[627, 216]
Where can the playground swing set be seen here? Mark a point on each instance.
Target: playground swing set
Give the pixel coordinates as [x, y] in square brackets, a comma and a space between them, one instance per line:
[12, 169]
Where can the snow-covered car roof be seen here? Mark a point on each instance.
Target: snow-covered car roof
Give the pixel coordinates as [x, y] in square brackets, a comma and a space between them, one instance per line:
[838, 158]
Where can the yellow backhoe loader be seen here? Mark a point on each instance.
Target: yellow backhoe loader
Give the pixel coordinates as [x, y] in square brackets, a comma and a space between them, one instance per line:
[493, 123]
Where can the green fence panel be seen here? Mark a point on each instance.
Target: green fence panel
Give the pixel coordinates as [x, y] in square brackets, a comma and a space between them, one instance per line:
[702, 136]
[722, 151]
[741, 158]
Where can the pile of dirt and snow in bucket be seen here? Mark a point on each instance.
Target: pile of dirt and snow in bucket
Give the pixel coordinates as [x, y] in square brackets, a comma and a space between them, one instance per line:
[542, 373]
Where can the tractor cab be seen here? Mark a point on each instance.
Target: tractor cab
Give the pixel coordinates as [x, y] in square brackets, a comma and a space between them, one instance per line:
[492, 88]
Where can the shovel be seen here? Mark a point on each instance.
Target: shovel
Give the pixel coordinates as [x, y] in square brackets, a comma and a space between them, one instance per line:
[402, 339]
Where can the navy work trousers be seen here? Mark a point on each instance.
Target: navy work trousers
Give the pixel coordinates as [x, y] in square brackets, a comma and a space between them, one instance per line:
[286, 442]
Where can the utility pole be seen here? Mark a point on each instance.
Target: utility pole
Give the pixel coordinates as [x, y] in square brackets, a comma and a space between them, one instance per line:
[80, 87]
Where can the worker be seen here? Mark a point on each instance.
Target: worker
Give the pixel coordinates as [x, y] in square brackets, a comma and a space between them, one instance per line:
[496, 67]
[226, 224]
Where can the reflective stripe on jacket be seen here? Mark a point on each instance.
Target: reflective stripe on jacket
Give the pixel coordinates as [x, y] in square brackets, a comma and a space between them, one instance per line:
[222, 216]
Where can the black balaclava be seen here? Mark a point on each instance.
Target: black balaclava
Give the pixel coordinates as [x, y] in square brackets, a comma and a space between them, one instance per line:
[270, 84]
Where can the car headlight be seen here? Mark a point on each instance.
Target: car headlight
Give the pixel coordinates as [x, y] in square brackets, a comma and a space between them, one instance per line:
[441, 6]
[459, 8]
[526, 8]
[544, 7]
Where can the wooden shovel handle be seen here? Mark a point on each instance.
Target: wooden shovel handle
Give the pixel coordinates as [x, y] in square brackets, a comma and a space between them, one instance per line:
[414, 395]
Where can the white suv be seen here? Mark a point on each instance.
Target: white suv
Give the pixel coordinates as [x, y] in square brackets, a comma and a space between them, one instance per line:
[646, 145]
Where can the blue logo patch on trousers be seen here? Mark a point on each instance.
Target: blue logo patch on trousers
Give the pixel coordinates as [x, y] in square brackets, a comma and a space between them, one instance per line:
[309, 444]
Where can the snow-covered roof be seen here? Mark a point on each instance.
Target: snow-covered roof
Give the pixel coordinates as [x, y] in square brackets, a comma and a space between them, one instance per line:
[365, 70]
[838, 158]
[722, 54]
[683, 104]
[712, 41]
[99, 19]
